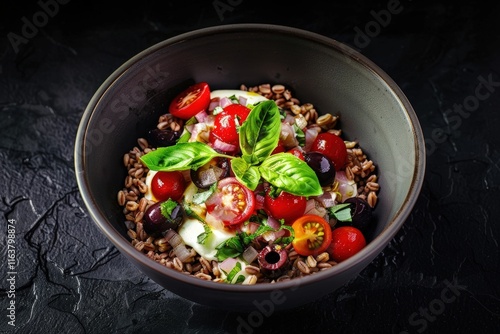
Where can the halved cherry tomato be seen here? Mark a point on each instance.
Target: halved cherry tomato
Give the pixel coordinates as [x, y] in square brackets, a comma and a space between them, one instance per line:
[227, 122]
[346, 241]
[165, 185]
[232, 203]
[333, 147]
[285, 206]
[191, 101]
[313, 235]
[297, 152]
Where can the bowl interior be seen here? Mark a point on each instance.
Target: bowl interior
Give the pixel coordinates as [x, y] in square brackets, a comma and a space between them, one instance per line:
[335, 78]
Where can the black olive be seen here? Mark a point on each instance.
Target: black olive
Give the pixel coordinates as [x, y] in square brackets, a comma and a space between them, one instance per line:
[210, 173]
[155, 222]
[162, 138]
[273, 261]
[322, 166]
[361, 213]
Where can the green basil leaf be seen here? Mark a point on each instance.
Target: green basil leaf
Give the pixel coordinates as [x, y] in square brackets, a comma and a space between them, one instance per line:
[289, 173]
[341, 212]
[202, 237]
[201, 197]
[181, 156]
[233, 272]
[232, 247]
[247, 174]
[260, 132]
[167, 207]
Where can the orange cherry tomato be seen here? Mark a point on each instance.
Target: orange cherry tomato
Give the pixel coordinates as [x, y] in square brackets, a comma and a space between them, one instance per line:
[313, 235]
[191, 101]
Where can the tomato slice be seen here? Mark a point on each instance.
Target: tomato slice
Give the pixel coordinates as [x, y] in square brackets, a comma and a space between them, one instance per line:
[168, 185]
[227, 122]
[313, 235]
[191, 101]
[333, 147]
[232, 203]
[285, 206]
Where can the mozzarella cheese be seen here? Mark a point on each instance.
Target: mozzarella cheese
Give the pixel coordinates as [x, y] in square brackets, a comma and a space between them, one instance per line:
[251, 97]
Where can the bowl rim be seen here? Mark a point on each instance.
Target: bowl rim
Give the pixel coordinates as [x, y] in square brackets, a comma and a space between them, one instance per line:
[374, 247]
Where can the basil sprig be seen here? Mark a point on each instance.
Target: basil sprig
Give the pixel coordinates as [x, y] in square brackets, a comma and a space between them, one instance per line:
[259, 136]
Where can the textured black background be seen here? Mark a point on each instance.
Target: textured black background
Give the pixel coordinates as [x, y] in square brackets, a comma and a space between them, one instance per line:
[70, 279]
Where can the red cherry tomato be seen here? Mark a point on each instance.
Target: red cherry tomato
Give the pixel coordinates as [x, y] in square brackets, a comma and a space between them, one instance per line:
[165, 185]
[313, 235]
[191, 101]
[333, 147]
[227, 122]
[297, 152]
[285, 206]
[279, 148]
[232, 203]
[346, 241]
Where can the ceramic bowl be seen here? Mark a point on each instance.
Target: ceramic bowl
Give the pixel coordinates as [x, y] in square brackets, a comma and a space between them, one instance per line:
[333, 76]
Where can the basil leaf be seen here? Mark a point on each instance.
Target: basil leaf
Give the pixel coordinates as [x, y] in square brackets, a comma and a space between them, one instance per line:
[289, 173]
[232, 247]
[234, 271]
[167, 207]
[260, 132]
[202, 237]
[286, 240]
[181, 156]
[201, 197]
[247, 174]
[342, 212]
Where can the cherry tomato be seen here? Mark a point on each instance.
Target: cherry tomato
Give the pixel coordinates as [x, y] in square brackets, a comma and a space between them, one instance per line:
[285, 206]
[346, 241]
[279, 148]
[333, 147]
[191, 101]
[227, 122]
[232, 203]
[313, 235]
[297, 152]
[165, 185]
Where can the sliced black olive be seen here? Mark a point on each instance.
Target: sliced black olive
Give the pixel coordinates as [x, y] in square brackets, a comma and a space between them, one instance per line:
[273, 261]
[156, 221]
[361, 213]
[210, 173]
[322, 166]
[163, 138]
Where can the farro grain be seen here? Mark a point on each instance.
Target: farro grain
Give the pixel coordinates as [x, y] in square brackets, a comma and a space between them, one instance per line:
[203, 276]
[324, 265]
[253, 270]
[323, 257]
[206, 265]
[278, 89]
[131, 234]
[121, 198]
[302, 266]
[311, 261]
[139, 216]
[132, 205]
[178, 265]
[372, 199]
[251, 280]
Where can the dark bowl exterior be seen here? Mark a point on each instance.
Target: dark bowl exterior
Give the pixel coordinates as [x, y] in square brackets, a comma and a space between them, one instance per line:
[334, 77]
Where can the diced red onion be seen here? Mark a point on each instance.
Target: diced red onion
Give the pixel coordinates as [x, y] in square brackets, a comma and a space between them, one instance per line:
[287, 136]
[228, 264]
[224, 102]
[242, 100]
[182, 252]
[311, 134]
[327, 199]
[224, 147]
[289, 119]
[173, 238]
[201, 116]
[273, 222]
[215, 102]
[250, 254]
[313, 208]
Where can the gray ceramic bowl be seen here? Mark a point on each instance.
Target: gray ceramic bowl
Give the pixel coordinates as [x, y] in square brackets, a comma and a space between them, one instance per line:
[320, 70]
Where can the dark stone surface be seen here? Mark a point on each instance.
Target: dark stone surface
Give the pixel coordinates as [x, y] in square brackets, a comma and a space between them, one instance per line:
[440, 274]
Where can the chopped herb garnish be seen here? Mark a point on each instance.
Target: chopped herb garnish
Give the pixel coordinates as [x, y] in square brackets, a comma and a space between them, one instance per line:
[202, 237]
[341, 212]
[167, 207]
